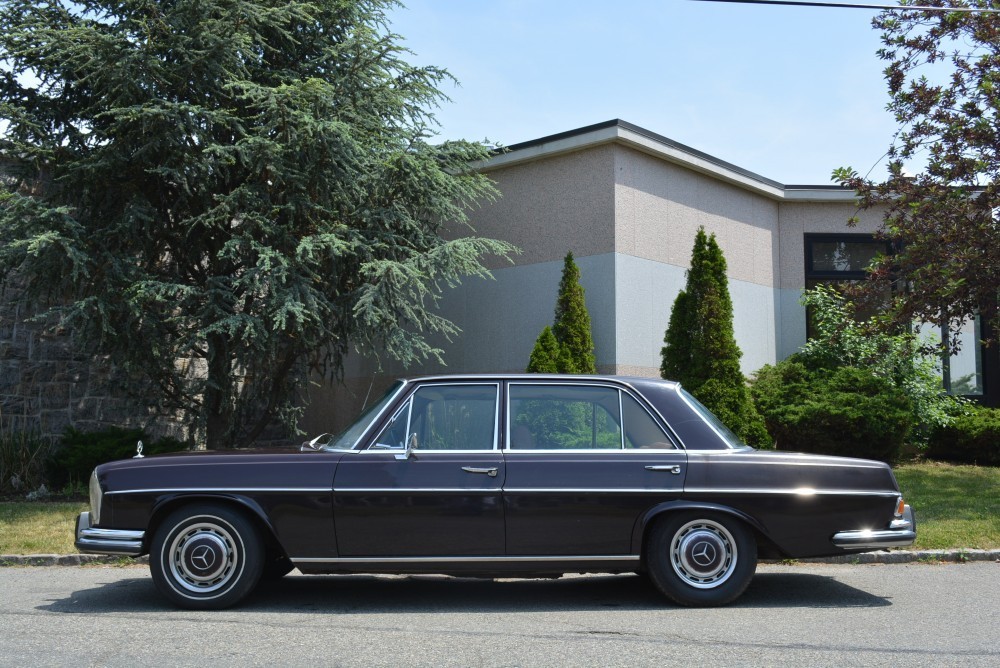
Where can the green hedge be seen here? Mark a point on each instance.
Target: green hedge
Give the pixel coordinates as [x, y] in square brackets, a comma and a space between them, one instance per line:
[844, 411]
[23, 457]
[79, 452]
[972, 439]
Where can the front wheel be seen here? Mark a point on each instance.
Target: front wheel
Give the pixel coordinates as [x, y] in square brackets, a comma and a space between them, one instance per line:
[701, 558]
[206, 557]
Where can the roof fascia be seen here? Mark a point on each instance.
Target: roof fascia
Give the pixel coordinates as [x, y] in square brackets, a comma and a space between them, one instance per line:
[633, 136]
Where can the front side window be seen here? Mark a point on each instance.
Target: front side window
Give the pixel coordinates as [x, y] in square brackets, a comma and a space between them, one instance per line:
[579, 417]
[444, 417]
[347, 439]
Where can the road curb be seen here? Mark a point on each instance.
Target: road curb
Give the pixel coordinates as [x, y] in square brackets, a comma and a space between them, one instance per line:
[908, 557]
[67, 560]
[882, 557]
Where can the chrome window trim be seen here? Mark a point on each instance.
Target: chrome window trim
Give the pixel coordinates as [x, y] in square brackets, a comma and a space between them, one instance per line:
[415, 490]
[621, 419]
[420, 453]
[402, 388]
[591, 490]
[730, 448]
[449, 559]
[627, 451]
[620, 387]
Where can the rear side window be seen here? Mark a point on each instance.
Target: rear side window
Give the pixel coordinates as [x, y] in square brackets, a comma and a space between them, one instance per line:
[641, 430]
[579, 417]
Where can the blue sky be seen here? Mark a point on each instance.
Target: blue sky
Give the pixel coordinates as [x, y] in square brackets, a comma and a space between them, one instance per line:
[788, 92]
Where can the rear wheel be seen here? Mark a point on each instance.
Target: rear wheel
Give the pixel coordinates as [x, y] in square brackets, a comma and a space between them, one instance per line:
[701, 558]
[206, 557]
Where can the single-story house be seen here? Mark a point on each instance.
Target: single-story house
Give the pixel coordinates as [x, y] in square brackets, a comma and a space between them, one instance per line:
[627, 202]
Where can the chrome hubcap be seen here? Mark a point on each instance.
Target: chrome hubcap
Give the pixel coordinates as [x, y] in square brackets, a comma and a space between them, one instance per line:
[703, 553]
[203, 557]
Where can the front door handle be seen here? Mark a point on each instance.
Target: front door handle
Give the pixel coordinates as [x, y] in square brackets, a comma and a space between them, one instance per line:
[491, 472]
[673, 468]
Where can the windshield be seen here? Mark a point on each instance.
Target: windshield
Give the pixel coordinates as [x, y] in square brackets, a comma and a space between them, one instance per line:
[724, 432]
[348, 438]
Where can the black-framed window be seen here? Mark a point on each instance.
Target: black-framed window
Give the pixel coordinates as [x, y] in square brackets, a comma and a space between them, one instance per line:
[834, 258]
[840, 259]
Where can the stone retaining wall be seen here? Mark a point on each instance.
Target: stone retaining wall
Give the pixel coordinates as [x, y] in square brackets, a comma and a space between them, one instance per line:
[47, 384]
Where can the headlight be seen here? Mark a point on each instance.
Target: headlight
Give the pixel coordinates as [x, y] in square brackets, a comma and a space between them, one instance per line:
[96, 496]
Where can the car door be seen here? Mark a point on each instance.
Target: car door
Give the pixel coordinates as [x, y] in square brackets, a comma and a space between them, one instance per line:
[429, 484]
[584, 462]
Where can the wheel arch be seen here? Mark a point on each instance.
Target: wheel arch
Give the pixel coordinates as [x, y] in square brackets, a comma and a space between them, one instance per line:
[658, 512]
[238, 502]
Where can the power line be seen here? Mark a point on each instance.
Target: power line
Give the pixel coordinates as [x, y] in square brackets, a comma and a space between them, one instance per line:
[856, 5]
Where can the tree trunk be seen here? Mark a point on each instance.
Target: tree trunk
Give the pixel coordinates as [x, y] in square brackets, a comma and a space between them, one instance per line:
[218, 396]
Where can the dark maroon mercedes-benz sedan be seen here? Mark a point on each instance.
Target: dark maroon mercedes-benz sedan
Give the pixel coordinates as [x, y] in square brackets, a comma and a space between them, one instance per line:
[520, 475]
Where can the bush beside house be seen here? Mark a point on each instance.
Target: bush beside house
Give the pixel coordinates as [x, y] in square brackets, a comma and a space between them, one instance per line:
[972, 439]
[844, 411]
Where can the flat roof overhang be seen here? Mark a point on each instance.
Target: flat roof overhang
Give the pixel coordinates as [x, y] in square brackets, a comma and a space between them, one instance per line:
[626, 134]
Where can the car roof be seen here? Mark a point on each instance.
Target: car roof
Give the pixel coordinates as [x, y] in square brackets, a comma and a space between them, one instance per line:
[629, 380]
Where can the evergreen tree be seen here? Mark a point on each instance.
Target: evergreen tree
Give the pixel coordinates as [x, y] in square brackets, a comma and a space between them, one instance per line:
[701, 351]
[220, 195]
[572, 323]
[545, 355]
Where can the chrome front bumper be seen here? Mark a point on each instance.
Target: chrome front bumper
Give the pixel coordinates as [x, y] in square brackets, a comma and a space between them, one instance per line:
[106, 541]
[901, 532]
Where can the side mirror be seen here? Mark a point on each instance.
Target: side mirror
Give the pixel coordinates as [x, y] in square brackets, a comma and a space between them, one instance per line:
[314, 445]
[411, 445]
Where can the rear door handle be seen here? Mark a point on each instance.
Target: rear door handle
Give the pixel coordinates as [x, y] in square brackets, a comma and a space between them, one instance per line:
[491, 472]
[673, 468]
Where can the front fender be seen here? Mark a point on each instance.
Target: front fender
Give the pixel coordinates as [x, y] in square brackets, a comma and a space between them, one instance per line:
[167, 503]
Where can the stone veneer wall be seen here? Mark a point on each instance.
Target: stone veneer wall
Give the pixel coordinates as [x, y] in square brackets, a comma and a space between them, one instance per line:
[47, 384]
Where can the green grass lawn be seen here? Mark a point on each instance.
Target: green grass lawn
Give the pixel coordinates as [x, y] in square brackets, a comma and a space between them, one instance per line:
[956, 507]
[35, 527]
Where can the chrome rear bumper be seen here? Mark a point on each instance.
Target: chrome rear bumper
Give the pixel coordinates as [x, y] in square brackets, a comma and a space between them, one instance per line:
[106, 541]
[901, 532]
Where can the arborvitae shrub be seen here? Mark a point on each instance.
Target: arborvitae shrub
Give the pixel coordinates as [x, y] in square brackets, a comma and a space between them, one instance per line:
[545, 355]
[572, 323]
[700, 348]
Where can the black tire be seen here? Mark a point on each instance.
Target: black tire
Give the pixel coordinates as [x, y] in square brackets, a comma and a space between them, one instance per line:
[206, 557]
[701, 559]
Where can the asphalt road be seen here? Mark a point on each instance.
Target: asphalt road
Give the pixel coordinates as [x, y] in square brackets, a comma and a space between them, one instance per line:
[800, 615]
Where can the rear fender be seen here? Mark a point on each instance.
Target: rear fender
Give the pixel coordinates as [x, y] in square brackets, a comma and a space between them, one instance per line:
[640, 531]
